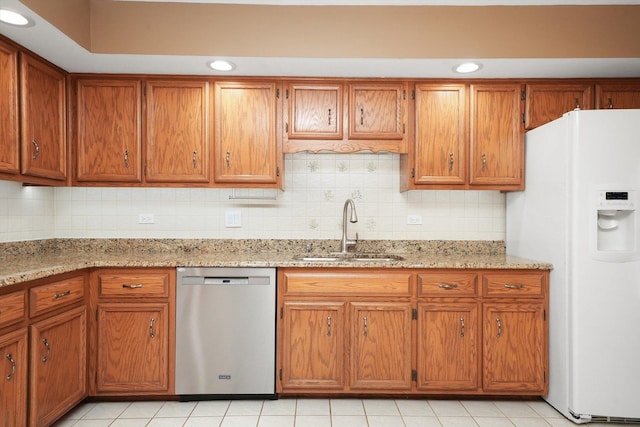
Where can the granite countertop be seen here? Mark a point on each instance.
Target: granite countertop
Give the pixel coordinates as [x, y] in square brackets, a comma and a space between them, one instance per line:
[30, 260]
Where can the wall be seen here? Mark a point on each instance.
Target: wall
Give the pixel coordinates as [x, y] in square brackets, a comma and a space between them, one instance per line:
[316, 187]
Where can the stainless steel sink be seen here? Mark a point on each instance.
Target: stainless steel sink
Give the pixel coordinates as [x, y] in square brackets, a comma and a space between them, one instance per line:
[349, 257]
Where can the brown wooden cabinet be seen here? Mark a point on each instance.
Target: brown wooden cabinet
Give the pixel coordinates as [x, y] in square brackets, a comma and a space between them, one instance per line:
[108, 130]
[134, 335]
[618, 95]
[178, 139]
[377, 110]
[548, 101]
[57, 365]
[315, 111]
[13, 378]
[496, 146]
[43, 121]
[10, 140]
[248, 148]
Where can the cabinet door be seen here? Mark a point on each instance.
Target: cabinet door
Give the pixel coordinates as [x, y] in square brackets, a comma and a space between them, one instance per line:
[496, 157]
[618, 96]
[448, 346]
[57, 366]
[440, 147]
[13, 378]
[376, 111]
[246, 142]
[43, 142]
[133, 348]
[177, 131]
[515, 348]
[315, 111]
[108, 130]
[381, 346]
[547, 102]
[9, 142]
[313, 345]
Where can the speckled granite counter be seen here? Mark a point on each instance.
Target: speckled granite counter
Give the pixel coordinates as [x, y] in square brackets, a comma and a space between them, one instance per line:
[30, 260]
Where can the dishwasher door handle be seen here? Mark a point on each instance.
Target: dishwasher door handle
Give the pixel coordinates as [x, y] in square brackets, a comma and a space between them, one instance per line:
[226, 280]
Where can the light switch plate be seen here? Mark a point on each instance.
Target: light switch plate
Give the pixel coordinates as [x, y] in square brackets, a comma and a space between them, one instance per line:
[233, 219]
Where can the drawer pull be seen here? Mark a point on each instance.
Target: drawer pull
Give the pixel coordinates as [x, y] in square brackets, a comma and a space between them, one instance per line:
[152, 333]
[36, 149]
[132, 285]
[365, 332]
[13, 367]
[46, 356]
[62, 294]
[329, 326]
[462, 327]
[499, 324]
[447, 286]
[514, 286]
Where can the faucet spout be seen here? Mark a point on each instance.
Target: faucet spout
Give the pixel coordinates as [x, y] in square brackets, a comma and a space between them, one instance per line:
[346, 244]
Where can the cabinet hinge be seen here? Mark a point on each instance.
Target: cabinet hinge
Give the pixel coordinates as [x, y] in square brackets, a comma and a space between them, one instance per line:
[281, 312]
[278, 171]
[413, 172]
[286, 128]
[280, 374]
[413, 94]
[523, 95]
[144, 90]
[414, 375]
[404, 128]
[286, 94]
[414, 314]
[544, 315]
[96, 315]
[278, 93]
[404, 94]
[523, 121]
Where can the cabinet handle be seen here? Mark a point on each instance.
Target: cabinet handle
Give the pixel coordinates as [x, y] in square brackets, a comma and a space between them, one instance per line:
[152, 333]
[46, 356]
[514, 286]
[329, 116]
[62, 294]
[228, 159]
[499, 323]
[610, 103]
[132, 285]
[462, 327]
[126, 159]
[447, 286]
[365, 326]
[13, 367]
[361, 116]
[329, 326]
[577, 103]
[36, 149]
[451, 161]
[194, 159]
[484, 162]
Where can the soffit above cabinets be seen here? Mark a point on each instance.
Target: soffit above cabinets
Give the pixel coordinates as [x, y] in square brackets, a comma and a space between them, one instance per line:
[347, 38]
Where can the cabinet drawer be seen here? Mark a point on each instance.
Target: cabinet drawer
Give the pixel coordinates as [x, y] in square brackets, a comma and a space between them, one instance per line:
[515, 285]
[133, 285]
[447, 284]
[348, 283]
[54, 295]
[11, 308]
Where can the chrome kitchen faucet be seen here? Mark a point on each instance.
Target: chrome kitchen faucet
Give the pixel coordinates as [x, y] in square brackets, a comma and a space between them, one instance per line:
[346, 243]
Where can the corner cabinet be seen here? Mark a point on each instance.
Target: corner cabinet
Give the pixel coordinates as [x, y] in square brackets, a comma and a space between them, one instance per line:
[412, 331]
[43, 121]
[248, 148]
[618, 95]
[546, 101]
[9, 113]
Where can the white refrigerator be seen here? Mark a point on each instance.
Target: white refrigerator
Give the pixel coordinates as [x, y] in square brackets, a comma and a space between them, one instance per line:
[580, 212]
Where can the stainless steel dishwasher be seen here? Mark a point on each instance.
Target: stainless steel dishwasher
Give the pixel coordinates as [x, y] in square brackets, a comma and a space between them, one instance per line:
[225, 332]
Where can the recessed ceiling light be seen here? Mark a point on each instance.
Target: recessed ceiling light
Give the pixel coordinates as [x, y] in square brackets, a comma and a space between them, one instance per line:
[467, 67]
[13, 18]
[222, 65]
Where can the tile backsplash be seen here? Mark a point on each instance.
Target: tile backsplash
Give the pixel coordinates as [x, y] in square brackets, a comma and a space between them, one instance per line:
[310, 207]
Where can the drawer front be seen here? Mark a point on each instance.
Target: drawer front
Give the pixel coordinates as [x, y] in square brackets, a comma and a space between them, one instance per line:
[348, 283]
[447, 284]
[54, 295]
[133, 285]
[514, 285]
[12, 308]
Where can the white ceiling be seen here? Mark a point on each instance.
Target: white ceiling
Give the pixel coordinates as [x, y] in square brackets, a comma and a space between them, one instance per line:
[47, 41]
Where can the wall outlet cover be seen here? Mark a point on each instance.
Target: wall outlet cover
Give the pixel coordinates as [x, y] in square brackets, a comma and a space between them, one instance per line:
[414, 219]
[233, 219]
[146, 218]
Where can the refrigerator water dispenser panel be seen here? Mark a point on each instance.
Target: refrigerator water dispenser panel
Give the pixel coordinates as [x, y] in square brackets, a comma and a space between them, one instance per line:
[616, 231]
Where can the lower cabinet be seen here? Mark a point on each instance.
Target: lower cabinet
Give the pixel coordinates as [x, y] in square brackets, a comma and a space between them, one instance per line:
[13, 378]
[57, 365]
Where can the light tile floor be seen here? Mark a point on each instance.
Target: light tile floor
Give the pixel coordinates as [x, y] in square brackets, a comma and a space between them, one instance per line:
[318, 413]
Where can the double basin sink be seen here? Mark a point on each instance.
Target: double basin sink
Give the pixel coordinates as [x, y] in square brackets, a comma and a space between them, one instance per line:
[349, 257]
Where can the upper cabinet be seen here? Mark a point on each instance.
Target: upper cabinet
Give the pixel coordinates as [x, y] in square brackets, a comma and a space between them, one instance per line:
[108, 130]
[177, 131]
[9, 143]
[345, 116]
[546, 102]
[618, 95]
[43, 120]
[248, 151]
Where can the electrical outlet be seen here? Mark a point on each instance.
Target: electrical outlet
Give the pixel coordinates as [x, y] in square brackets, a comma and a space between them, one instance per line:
[146, 218]
[414, 219]
[233, 219]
